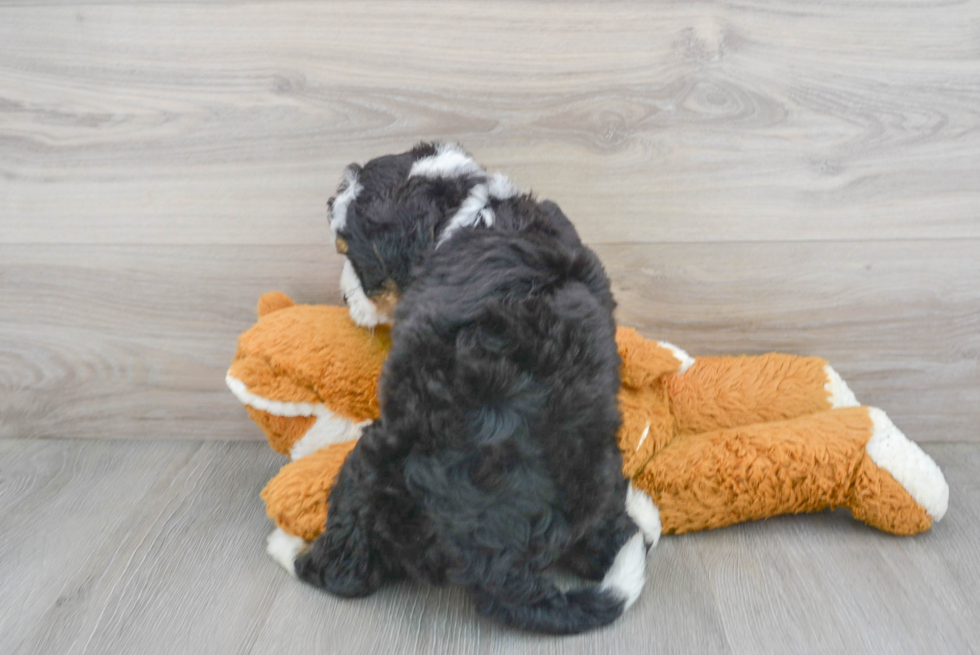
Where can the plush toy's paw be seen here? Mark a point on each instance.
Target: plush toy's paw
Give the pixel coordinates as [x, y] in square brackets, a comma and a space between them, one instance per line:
[908, 464]
[285, 548]
[645, 514]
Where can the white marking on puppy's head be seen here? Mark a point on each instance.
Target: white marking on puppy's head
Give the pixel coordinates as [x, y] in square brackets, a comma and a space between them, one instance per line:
[473, 211]
[450, 160]
[372, 284]
[501, 187]
[362, 311]
[346, 194]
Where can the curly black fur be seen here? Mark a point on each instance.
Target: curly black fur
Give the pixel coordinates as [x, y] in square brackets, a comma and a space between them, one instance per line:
[495, 455]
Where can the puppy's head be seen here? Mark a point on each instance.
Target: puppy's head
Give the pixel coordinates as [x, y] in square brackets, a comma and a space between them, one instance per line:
[386, 217]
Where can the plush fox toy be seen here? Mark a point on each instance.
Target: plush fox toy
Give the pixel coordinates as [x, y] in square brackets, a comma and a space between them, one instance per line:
[713, 441]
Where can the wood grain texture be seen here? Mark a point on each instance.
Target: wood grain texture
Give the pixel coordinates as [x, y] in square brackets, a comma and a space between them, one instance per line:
[134, 341]
[819, 585]
[900, 321]
[129, 541]
[157, 547]
[677, 121]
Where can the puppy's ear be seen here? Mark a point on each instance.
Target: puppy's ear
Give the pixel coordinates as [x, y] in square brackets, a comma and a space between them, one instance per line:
[561, 224]
[347, 192]
[423, 149]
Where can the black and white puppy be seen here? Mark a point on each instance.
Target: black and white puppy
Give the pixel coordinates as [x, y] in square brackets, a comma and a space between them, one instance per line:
[495, 456]
[389, 215]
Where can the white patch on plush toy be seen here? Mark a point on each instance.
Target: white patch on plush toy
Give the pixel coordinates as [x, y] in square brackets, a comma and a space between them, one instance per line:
[908, 464]
[362, 311]
[285, 548]
[838, 393]
[628, 573]
[324, 432]
[450, 160]
[645, 514]
[686, 360]
[643, 437]
[276, 407]
[329, 428]
[472, 212]
[338, 213]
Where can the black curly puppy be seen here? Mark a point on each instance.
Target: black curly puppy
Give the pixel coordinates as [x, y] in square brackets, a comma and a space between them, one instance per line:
[495, 455]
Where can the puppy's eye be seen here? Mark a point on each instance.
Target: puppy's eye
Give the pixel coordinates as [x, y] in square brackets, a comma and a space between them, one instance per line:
[341, 246]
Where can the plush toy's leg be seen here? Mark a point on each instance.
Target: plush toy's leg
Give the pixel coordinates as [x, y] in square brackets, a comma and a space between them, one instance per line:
[894, 469]
[726, 392]
[296, 498]
[852, 458]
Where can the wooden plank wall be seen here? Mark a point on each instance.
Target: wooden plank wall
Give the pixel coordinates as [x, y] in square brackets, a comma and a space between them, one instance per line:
[756, 175]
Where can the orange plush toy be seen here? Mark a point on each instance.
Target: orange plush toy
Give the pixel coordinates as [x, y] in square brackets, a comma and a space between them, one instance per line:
[712, 441]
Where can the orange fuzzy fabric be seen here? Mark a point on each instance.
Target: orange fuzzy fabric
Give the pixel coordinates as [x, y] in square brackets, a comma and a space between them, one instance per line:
[724, 392]
[313, 354]
[281, 431]
[880, 501]
[296, 498]
[647, 422]
[752, 472]
[732, 439]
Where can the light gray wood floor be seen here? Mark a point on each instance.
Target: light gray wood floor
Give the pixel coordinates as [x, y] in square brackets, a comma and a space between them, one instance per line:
[158, 547]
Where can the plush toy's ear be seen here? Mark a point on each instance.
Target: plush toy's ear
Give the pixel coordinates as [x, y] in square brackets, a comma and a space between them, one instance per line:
[273, 301]
[645, 361]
